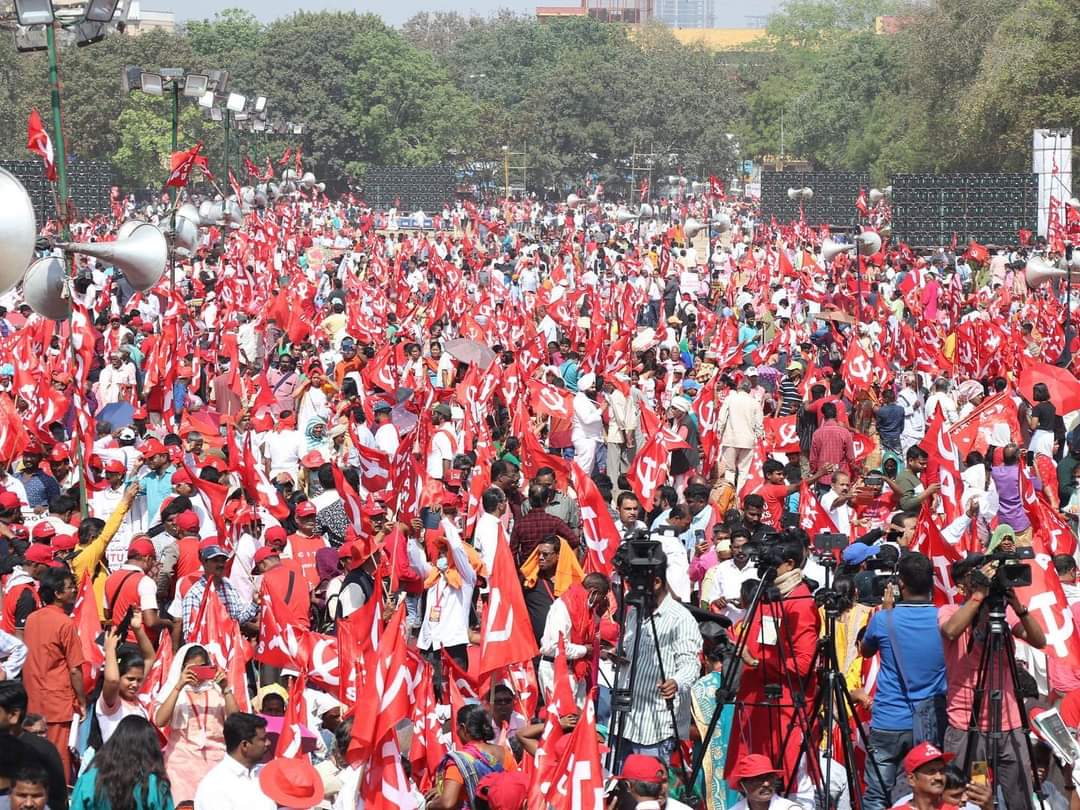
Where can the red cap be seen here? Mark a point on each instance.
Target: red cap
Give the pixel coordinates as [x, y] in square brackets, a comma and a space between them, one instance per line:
[291, 782]
[115, 466]
[305, 509]
[63, 377]
[152, 447]
[33, 449]
[506, 790]
[9, 500]
[38, 553]
[186, 521]
[217, 463]
[922, 754]
[140, 413]
[141, 547]
[277, 535]
[181, 476]
[313, 460]
[244, 516]
[63, 542]
[748, 767]
[643, 768]
[262, 554]
[43, 530]
[59, 453]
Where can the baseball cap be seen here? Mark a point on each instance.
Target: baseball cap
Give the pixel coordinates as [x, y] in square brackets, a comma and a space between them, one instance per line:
[43, 530]
[141, 547]
[181, 477]
[305, 509]
[59, 453]
[643, 768]
[187, 521]
[750, 766]
[276, 534]
[127, 435]
[8, 500]
[152, 447]
[313, 460]
[922, 754]
[443, 410]
[381, 406]
[751, 371]
[63, 542]
[38, 553]
[858, 553]
[262, 554]
[504, 791]
[210, 549]
[115, 466]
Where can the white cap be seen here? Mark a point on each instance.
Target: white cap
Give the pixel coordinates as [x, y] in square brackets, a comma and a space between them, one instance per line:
[586, 381]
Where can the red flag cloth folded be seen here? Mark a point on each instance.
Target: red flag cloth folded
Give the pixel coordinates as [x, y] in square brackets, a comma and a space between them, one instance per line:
[39, 142]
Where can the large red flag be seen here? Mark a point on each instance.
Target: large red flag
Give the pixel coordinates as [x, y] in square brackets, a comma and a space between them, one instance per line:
[944, 466]
[929, 541]
[577, 781]
[88, 624]
[290, 740]
[813, 517]
[385, 786]
[219, 633]
[426, 751]
[1046, 601]
[597, 526]
[182, 164]
[39, 142]
[549, 400]
[975, 431]
[505, 638]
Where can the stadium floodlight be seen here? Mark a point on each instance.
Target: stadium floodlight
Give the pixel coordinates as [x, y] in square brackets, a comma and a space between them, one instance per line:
[34, 12]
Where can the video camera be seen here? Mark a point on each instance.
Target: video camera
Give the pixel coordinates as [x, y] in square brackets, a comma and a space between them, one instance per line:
[1009, 573]
[639, 561]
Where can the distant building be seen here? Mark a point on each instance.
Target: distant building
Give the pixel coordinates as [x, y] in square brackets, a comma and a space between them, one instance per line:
[633, 12]
[685, 13]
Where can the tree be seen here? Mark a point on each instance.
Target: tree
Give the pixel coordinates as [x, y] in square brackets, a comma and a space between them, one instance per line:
[144, 132]
[437, 31]
[231, 30]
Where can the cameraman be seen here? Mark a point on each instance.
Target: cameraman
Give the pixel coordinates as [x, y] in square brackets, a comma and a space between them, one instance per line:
[910, 682]
[780, 644]
[964, 629]
[677, 641]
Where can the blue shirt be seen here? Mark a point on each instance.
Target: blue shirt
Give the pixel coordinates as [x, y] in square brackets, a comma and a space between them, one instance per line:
[40, 488]
[915, 628]
[156, 486]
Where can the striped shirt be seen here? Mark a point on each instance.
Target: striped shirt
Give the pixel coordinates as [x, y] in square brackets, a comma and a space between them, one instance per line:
[790, 398]
[649, 722]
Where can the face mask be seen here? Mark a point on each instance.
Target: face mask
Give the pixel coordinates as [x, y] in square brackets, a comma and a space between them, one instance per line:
[442, 564]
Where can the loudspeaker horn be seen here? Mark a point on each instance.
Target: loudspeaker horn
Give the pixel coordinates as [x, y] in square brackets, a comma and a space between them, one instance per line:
[830, 249]
[722, 223]
[645, 211]
[793, 194]
[697, 188]
[573, 201]
[868, 243]
[692, 228]
[1039, 271]
[140, 253]
[290, 174]
[622, 216]
[18, 230]
[308, 181]
[876, 195]
[43, 288]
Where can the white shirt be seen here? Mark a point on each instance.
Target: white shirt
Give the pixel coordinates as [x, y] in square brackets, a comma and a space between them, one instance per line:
[678, 565]
[443, 447]
[557, 625]
[283, 449]
[776, 803]
[486, 538]
[588, 422]
[725, 579]
[12, 655]
[446, 617]
[387, 439]
[841, 515]
[229, 785]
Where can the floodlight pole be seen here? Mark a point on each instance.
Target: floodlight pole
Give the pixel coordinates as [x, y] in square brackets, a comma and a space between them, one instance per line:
[173, 191]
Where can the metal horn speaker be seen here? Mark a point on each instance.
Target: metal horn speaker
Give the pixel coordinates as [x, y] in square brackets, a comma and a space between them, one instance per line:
[722, 223]
[622, 216]
[692, 228]
[43, 288]
[793, 194]
[646, 211]
[830, 249]
[876, 195]
[307, 182]
[1039, 271]
[18, 230]
[868, 243]
[140, 254]
[573, 201]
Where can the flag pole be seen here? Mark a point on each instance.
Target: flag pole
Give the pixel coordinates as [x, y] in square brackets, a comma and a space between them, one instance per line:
[62, 216]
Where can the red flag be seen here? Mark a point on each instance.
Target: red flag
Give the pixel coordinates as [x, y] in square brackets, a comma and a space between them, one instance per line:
[39, 142]
[354, 506]
[858, 370]
[549, 400]
[944, 466]
[649, 470]
[385, 786]
[1046, 602]
[374, 468]
[929, 541]
[182, 164]
[577, 780]
[505, 638]
[219, 633]
[258, 486]
[597, 526]
[285, 157]
[251, 168]
[426, 752]
[299, 165]
[975, 430]
[88, 624]
[289, 744]
[386, 695]
[213, 496]
[781, 434]
[813, 517]
[159, 671]
[13, 435]
[860, 203]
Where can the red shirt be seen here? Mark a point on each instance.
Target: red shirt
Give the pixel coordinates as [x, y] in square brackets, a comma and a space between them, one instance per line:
[774, 495]
[53, 650]
[290, 594]
[302, 551]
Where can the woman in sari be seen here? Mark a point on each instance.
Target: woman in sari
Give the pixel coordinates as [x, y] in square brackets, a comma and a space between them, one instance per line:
[718, 796]
[460, 772]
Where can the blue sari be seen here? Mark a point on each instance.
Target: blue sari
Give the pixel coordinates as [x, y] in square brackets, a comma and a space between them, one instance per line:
[473, 764]
[718, 796]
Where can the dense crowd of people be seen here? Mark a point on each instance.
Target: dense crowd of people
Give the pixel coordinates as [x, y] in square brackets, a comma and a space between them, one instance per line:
[540, 508]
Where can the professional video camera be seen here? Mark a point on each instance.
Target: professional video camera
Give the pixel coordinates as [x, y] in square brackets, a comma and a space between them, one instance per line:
[1009, 571]
[639, 560]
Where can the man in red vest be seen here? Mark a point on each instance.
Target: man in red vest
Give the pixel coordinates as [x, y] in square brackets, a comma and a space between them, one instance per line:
[282, 583]
[302, 546]
[20, 591]
[130, 585]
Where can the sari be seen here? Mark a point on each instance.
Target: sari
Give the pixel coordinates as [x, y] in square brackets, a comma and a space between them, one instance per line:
[702, 705]
[473, 765]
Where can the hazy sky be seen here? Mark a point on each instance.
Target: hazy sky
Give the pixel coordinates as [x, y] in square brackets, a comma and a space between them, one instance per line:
[730, 14]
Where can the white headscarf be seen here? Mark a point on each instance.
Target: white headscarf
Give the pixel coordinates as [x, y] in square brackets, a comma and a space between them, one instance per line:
[176, 670]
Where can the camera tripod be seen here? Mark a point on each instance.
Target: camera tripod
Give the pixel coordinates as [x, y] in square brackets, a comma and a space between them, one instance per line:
[766, 599]
[833, 705]
[622, 697]
[998, 657]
